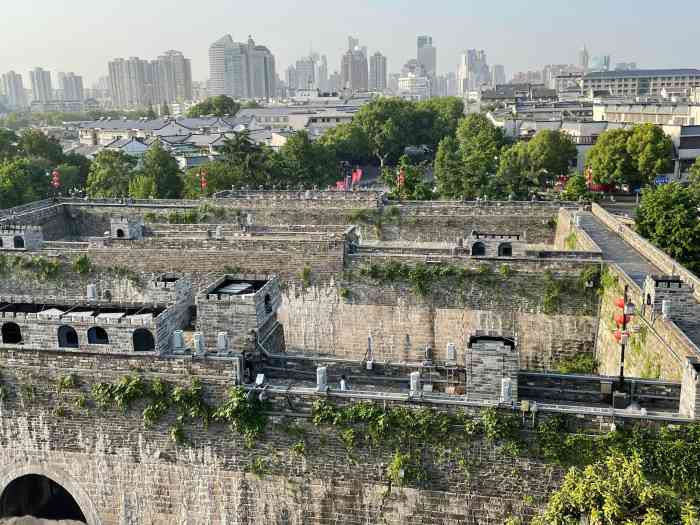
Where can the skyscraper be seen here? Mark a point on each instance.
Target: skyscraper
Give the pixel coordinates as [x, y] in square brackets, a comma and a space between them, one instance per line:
[241, 70]
[217, 65]
[306, 73]
[473, 71]
[584, 58]
[290, 78]
[13, 88]
[427, 55]
[72, 86]
[322, 75]
[498, 75]
[173, 77]
[131, 83]
[42, 90]
[353, 67]
[377, 72]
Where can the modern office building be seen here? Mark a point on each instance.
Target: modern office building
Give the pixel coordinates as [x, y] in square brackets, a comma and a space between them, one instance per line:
[71, 86]
[42, 90]
[427, 54]
[642, 82]
[305, 73]
[377, 72]
[241, 69]
[498, 75]
[13, 89]
[353, 68]
[584, 58]
[473, 71]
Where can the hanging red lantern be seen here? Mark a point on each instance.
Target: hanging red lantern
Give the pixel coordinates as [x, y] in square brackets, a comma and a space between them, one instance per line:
[620, 303]
[617, 335]
[622, 319]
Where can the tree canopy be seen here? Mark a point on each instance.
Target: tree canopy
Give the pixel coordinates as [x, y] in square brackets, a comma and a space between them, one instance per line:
[218, 106]
[668, 217]
[631, 156]
[110, 174]
[159, 166]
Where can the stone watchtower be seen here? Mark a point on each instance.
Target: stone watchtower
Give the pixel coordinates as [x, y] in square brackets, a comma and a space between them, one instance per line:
[492, 363]
[690, 389]
[236, 310]
[20, 237]
[671, 297]
[125, 228]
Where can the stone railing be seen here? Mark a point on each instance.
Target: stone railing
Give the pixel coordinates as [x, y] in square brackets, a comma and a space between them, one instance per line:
[658, 258]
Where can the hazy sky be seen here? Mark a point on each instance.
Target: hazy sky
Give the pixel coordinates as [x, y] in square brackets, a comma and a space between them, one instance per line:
[82, 35]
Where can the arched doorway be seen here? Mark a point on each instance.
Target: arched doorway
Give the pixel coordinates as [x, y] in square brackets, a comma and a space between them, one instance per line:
[97, 336]
[505, 249]
[478, 249]
[143, 341]
[41, 497]
[11, 334]
[120, 233]
[18, 242]
[67, 337]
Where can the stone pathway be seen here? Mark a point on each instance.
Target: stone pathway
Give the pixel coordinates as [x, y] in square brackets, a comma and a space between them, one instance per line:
[616, 250]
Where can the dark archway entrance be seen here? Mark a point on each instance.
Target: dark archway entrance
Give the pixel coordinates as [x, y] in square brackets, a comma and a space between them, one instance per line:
[143, 341]
[40, 497]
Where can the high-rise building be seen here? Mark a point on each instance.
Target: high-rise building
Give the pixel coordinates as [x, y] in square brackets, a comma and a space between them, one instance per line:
[427, 55]
[600, 63]
[322, 75]
[42, 91]
[353, 67]
[13, 89]
[131, 83]
[473, 71]
[377, 72]
[241, 70]
[498, 75]
[306, 73]
[72, 86]
[290, 78]
[584, 58]
[334, 81]
[217, 65]
[172, 74]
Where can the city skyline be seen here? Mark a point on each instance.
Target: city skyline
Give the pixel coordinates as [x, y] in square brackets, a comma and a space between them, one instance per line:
[57, 42]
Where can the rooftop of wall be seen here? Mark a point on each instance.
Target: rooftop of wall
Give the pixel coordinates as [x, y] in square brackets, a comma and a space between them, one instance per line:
[107, 313]
[237, 288]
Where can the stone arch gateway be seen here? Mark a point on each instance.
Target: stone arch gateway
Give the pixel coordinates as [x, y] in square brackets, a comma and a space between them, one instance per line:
[56, 475]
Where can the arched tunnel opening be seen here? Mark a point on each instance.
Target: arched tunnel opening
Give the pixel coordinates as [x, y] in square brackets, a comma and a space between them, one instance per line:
[39, 497]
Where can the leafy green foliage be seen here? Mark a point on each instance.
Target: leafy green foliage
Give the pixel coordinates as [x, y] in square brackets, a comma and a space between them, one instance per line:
[414, 186]
[576, 189]
[580, 363]
[82, 265]
[110, 174]
[668, 217]
[218, 106]
[630, 156]
[243, 415]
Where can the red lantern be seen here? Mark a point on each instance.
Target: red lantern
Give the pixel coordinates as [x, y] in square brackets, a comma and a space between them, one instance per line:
[622, 319]
[55, 179]
[203, 180]
[402, 178]
[617, 335]
[620, 303]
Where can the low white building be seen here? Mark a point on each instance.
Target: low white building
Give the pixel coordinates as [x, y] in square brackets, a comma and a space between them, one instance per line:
[414, 87]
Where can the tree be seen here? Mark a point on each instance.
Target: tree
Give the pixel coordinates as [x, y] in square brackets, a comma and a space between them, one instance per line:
[150, 113]
[516, 175]
[348, 142]
[480, 143]
[446, 113]
[163, 170]
[576, 188]
[18, 185]
[164, 109]
[240, 151]
[110, 174]
[8, 144]
[71, 177]
[143, 187]
[551, 153]
[219, 106]
[302, 161]
[668, 217]
[609, 159]
[450, 170]
[651, 151]
[694, 179]
[34, 144]
[220, 176]
[388, 124]
[407, 181]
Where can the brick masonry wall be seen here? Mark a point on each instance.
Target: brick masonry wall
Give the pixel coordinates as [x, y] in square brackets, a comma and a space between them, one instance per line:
[121, 473]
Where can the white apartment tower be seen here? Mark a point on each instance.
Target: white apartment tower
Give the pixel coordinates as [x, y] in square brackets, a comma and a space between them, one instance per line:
[13, 88]
[42, 91]
[72, 86]
[241, 70]
[377, 72]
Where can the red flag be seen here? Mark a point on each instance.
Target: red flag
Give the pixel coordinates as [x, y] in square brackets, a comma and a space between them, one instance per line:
[203, 180]
[340, 185]
[401, 180]
[359, 174]
[355, 176]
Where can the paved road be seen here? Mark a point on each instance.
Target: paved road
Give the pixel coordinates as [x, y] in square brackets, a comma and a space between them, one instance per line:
[616, 250]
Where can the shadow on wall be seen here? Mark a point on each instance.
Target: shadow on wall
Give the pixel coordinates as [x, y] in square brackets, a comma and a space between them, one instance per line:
[41, 499]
